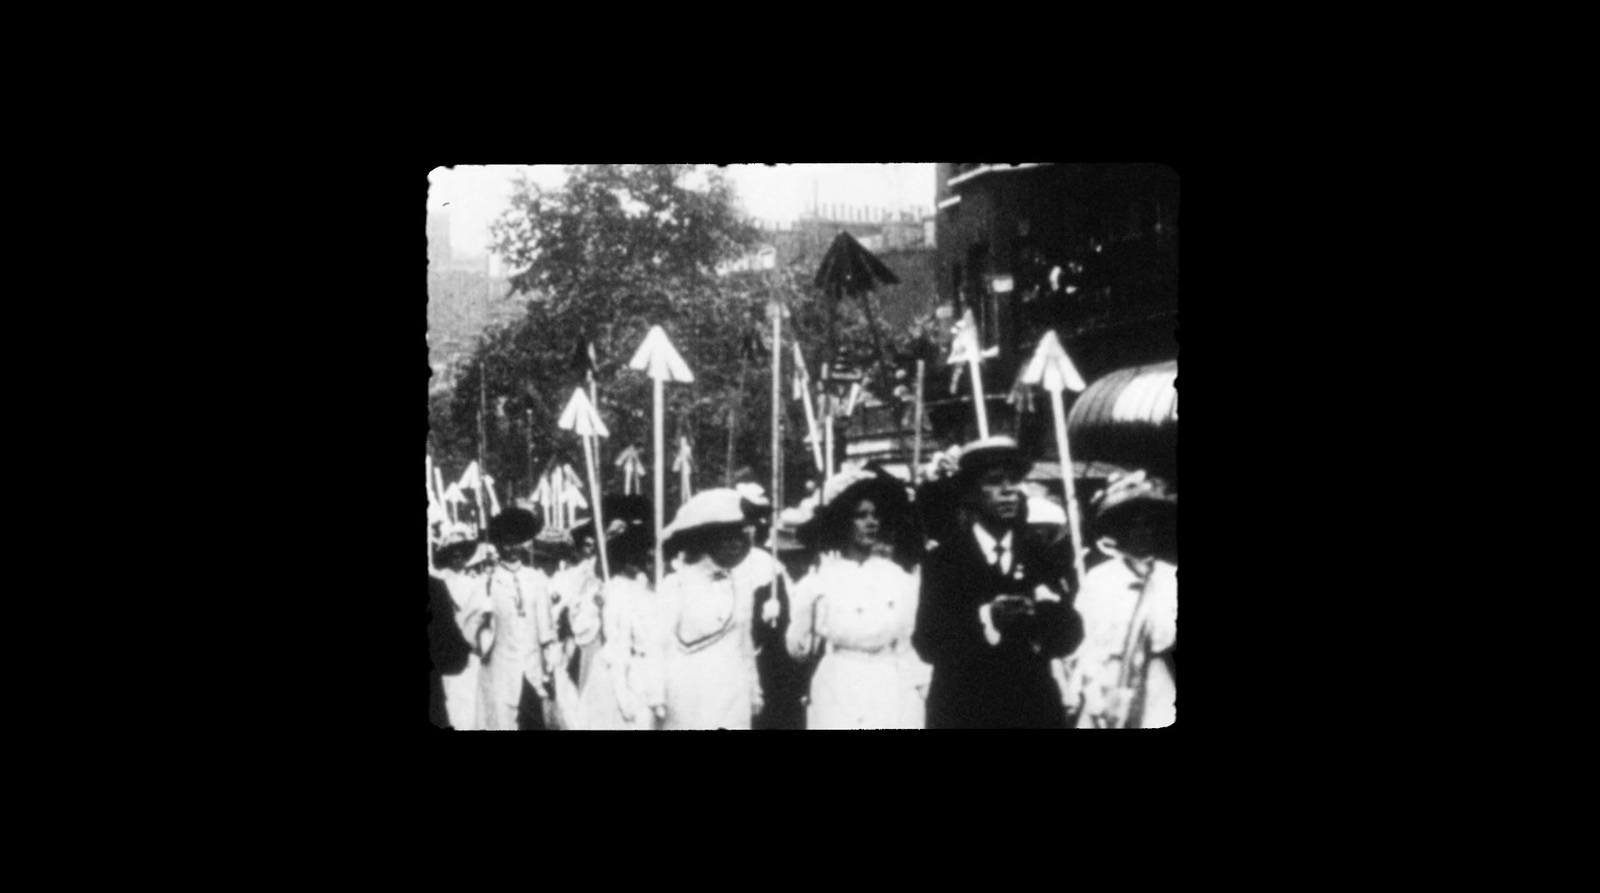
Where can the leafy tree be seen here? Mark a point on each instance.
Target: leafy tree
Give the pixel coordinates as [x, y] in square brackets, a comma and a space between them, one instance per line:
[616, 250]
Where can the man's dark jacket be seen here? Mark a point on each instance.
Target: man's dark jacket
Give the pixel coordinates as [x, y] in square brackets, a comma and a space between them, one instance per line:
[447, 649]
[976, 684]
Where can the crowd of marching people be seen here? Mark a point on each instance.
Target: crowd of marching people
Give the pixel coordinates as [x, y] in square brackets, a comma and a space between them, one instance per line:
[952, 604]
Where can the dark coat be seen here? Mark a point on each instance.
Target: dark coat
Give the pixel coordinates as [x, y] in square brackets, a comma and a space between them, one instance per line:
[783, 680]
[447, 648]
[976, 684]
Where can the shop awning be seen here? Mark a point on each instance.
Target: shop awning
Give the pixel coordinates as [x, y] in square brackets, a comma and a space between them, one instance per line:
[1128, 417]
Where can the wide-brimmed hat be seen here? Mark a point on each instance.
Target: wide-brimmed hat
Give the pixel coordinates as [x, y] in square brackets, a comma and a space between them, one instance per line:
[552, 543]
[513, 526]
[708, 508]
[1126, 493]
[844, 491]
[455, 553]
[978, 457]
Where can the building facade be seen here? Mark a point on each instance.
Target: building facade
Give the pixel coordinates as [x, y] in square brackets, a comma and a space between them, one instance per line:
[1087, 250]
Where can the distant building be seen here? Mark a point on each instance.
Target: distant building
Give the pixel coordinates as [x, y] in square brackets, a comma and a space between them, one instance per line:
[439, 254]
[1087, 250]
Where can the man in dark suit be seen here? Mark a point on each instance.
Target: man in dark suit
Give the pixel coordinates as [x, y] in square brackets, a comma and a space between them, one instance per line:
[992, 615]
[447, 648]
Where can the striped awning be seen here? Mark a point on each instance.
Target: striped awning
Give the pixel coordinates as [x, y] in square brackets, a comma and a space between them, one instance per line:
[1128, 417]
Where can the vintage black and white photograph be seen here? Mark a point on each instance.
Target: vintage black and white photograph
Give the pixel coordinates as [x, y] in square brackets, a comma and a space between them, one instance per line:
[802, 446]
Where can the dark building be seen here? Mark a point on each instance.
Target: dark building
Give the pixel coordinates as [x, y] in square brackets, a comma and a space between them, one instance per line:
[1088, 250]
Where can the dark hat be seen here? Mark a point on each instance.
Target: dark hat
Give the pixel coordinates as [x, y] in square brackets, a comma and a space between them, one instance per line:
[978, 457]
[633, 545]
[628, 508]
[513, 526]
[455, 553]
[1126, 494]
[552, 544]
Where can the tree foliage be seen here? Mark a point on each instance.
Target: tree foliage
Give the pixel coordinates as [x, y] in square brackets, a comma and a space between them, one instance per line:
[618, 249]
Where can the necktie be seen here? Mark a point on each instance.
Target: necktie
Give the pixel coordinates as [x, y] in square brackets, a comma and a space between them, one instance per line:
[999, 557]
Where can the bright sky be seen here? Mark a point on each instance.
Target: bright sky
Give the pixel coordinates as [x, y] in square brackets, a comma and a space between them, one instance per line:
[474, 195]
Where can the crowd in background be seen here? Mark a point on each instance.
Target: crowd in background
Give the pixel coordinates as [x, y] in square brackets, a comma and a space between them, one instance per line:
[954, 604]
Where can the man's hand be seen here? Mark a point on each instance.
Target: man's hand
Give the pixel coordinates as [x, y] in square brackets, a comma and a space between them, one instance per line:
[757, 701]
[1011, 614]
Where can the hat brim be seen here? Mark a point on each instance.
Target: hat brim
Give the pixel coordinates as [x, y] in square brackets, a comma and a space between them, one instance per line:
[976, 465]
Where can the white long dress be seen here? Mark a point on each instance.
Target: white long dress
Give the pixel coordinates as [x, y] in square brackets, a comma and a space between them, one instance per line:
[860, 617]
[625, 678]
[1107, 605]
[522, 626]
[708, 655]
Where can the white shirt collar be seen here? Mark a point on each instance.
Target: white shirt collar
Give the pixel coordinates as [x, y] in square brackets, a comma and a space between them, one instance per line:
[987, 543]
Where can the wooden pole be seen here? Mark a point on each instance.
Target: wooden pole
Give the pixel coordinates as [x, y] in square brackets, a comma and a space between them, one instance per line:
[661, 477]
[916, 448]
[1071, 492]
[589, 450]
[827, 427]
[594, 400]
[811, 413]
[776, 497]
[979, 399]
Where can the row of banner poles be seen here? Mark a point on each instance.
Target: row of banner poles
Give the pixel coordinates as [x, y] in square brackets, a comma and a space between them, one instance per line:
[1050, 367]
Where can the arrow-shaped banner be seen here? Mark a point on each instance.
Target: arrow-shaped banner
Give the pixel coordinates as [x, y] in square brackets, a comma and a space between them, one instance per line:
[685, 457]
[658, 359]
[1052, 368]
[632, 469]
[580, 416]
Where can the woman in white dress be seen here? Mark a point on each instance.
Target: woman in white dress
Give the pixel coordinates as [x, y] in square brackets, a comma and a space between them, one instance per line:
[623, 691]
[856, 611]
[705, 631]
[1123, 672]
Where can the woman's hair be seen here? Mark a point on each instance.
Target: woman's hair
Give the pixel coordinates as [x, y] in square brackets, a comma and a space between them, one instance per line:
[834, 529]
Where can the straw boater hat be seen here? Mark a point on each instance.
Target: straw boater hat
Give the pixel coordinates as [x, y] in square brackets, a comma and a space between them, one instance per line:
[978, 457]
